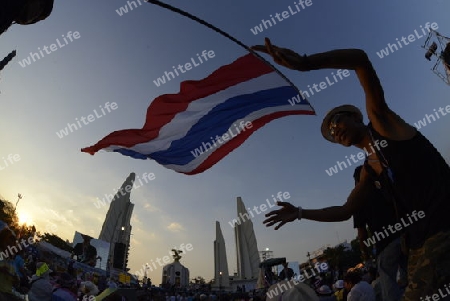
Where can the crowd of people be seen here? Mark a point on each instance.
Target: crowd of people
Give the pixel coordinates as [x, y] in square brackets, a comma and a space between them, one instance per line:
[26, 274]
[29, 275]
[360, 283]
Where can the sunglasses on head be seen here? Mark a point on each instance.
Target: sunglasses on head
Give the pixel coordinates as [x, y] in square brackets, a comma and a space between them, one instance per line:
[335, 120]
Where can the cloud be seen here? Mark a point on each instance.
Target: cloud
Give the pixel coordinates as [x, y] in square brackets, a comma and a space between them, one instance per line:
[150, 208]
[175, 227]
[134, 241]
[135, 220]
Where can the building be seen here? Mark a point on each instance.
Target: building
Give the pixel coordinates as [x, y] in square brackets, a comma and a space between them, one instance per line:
[116, 228]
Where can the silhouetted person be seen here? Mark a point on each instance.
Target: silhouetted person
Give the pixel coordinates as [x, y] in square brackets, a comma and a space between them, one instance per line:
[86, 253]
[287, 273]
[400, 161]
[23, 12]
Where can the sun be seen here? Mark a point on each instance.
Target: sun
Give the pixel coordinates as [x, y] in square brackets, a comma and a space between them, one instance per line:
[24, 218]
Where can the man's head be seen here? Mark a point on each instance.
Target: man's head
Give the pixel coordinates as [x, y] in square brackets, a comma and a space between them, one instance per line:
[86, 239]
[43, 270]
[351, 279]
[7, 236]
[34, 11]
[344, 125]
[295, 291]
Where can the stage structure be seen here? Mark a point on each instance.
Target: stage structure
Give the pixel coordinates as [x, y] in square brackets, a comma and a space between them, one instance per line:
[90, 251]
[221, 275]
[116, 228]
[438, 49]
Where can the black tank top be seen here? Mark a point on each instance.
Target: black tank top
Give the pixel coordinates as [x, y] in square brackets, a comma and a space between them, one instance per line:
[379, 211]
[419, 179]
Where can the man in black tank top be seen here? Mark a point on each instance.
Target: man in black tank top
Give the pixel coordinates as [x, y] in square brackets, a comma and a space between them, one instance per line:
[407, 168]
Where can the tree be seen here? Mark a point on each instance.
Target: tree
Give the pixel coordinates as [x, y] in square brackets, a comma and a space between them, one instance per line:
[334, 256]
[199, 280]
[338, 257]
[56, 241]
[8, 214]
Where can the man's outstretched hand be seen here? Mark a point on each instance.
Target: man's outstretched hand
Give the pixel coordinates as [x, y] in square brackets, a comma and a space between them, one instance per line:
[288, 213]
[284, 57]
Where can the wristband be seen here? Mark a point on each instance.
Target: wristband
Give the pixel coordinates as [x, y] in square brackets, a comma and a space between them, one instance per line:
[299, 217]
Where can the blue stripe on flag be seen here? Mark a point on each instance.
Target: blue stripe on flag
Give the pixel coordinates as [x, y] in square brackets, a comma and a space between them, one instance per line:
[130, 153]
[220, 119]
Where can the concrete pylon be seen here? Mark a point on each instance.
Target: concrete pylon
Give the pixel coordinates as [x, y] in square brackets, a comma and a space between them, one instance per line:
[221, 275]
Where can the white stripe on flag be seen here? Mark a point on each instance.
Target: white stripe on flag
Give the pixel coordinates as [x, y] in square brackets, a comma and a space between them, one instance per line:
[251, 117]
[201, 107]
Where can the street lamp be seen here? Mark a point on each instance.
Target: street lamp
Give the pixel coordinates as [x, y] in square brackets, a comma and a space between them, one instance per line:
[220, 281]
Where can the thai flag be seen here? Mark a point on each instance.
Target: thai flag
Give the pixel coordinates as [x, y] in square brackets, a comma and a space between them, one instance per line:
[191, 131]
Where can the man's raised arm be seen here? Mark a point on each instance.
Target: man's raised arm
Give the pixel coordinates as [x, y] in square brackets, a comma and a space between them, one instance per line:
[386, 122]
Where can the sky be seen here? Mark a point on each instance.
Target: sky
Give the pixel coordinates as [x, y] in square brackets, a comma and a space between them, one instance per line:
[115, 59]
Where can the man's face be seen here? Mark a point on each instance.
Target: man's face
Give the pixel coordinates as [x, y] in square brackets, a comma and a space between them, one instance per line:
[345, 129]
[31, 12]
[347, 286]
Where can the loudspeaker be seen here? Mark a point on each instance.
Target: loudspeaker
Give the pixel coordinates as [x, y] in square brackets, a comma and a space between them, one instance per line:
[119, 255]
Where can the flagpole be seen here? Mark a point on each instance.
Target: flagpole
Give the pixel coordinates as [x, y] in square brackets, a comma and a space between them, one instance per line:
[203, 22]
[7, 59]
[218, 30]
